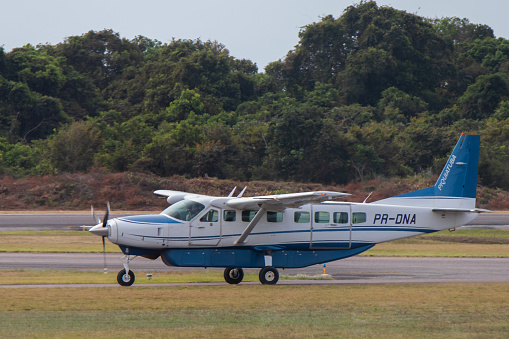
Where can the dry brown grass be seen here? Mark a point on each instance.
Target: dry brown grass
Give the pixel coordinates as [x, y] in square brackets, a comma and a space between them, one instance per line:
[133, 191]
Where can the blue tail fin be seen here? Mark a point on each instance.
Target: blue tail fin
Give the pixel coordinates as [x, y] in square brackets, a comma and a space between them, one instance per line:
[459, 176]
[457, 184]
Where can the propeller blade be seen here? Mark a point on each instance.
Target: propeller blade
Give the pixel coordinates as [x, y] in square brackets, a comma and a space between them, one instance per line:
[101, 228]
[105, 220]
[104, 255]
[96, 219]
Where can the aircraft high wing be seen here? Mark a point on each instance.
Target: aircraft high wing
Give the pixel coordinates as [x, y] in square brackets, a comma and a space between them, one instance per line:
[278, 203]
[291, 230]
[271, 203]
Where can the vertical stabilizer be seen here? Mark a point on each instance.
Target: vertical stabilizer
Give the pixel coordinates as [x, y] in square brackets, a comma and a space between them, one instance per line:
[456, 186]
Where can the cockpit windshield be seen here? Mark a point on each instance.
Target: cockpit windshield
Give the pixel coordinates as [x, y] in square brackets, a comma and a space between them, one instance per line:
[184, 210]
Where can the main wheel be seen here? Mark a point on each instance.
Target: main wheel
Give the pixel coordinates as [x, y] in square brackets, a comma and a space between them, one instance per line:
[233, 275]
[125, 279]
[269, 275]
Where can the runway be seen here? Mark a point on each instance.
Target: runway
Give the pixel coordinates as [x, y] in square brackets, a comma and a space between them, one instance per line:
[50, 221]
[355, 270]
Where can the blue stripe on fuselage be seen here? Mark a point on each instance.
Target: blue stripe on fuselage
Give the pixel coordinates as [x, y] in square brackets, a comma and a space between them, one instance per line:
[355, 229]
[150, 219]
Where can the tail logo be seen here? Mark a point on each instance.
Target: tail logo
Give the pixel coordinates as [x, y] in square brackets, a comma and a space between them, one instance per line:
[447, 169]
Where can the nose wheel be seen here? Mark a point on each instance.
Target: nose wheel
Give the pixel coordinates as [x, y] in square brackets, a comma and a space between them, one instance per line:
[125, 279]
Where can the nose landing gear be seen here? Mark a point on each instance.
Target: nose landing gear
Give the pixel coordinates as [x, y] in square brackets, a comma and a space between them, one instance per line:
[126, 277]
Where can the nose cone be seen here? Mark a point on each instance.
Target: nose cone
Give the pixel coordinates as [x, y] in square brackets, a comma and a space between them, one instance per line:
[99, 230]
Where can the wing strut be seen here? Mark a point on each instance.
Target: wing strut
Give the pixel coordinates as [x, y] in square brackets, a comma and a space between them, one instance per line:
[250, 227]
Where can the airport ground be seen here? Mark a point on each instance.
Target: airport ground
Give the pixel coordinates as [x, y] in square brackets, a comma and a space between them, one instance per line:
[367, 296]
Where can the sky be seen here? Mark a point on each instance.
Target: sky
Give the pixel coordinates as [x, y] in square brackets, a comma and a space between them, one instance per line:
[261, 31]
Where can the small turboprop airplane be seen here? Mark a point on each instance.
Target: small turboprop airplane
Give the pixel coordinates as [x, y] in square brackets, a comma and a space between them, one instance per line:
[290, 230]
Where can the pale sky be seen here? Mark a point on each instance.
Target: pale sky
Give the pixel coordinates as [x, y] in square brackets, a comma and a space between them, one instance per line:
[261, 31]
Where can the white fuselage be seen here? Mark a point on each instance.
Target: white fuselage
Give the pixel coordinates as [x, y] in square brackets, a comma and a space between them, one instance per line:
[313, 226]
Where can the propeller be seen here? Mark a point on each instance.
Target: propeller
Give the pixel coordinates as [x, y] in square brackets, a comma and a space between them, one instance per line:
[101, 229]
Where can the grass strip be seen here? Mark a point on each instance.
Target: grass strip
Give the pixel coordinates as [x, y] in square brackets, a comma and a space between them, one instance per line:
[53, 242]
[256, 311]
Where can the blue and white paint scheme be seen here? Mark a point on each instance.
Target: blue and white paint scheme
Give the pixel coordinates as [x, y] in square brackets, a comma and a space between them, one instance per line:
[291, 230]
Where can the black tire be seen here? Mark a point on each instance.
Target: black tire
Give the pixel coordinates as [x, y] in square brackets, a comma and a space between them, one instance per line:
[125, 279]
[233, 275]
[269, 275]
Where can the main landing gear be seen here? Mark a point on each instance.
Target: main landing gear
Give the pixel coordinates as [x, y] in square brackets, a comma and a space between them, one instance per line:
[268, 275]
[233, 275]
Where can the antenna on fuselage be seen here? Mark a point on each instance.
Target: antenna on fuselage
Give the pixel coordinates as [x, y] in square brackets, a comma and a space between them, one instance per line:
[231, 193]
[367, 197]
[242, 193]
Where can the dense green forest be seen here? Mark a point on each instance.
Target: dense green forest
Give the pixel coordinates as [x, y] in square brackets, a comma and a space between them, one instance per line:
[374, 92]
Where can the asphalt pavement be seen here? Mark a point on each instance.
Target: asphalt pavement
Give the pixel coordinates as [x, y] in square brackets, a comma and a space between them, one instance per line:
[355, 270]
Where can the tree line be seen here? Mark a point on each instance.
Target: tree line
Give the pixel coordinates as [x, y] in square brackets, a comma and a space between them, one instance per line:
[374, 92]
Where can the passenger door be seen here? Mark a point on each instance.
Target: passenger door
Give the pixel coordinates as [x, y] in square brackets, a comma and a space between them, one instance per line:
[331, 228]
[205, 230]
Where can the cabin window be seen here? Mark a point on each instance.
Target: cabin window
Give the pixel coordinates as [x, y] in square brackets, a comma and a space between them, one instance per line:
[247, 216]
[341, 218]
[184, 210]
[210, 216]
[274, 216]
[301, 217]
[358, 217]
[322, 217]
[229, 215]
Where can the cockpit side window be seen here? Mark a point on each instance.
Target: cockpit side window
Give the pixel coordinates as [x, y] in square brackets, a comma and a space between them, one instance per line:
[210, 216]
[184, 210]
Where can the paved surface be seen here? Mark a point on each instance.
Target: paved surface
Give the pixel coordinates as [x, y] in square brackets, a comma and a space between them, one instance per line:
[49, 222]
[356, 270]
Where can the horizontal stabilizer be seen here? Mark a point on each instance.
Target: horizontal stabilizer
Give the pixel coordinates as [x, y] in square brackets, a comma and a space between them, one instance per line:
[460, 210]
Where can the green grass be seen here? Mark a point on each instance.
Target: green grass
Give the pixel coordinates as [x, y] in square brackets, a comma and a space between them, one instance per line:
[481, 243]
[458, 310]
[481, 235]
[256, 311]
[53, 242]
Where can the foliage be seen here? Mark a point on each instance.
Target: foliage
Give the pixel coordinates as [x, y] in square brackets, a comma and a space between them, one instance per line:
[376, 92]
